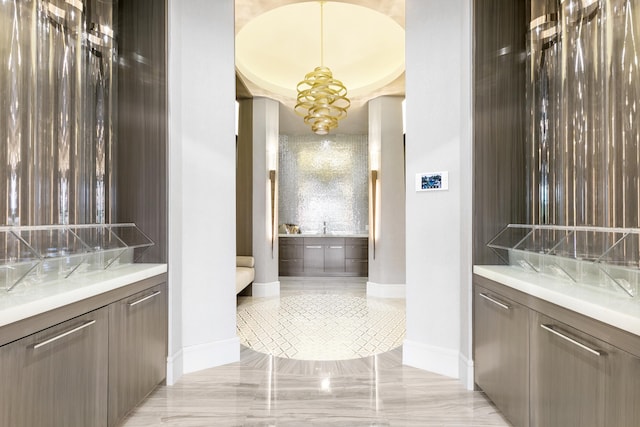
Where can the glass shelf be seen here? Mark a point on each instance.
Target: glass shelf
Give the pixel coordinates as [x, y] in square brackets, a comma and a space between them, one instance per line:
[17, 259]
[38, 254]
[136, 241]
[601, 257]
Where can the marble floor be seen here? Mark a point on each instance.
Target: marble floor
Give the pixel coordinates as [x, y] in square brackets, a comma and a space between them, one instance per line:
[266, 390]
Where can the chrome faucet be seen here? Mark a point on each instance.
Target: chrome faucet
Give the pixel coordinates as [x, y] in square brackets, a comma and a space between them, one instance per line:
[324, 227]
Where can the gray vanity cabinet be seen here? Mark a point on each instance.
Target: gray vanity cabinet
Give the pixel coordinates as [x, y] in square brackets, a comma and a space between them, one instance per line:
[137, 349]
[324, 256]
[58, 376]
[568, 375]
[501, 356]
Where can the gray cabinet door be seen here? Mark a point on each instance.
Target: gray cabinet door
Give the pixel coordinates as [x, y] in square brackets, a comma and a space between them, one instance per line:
[623, 389]
[334, 260]
[57, 377]
[137, 349]
[568, 375]
[501, 356]
[313, 258]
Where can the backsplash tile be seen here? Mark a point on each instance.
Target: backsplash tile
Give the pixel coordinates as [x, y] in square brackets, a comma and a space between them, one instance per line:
[324, 179]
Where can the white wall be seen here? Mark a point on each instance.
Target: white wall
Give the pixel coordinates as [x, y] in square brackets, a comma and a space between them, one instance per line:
[438, 139]
[174, 360]
[202, 185]
[466, 195]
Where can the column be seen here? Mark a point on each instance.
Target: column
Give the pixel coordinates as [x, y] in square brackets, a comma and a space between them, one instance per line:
[387, 199]
[265, 196]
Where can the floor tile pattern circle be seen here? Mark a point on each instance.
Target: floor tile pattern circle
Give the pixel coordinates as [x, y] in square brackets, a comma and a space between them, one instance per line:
[321, 326]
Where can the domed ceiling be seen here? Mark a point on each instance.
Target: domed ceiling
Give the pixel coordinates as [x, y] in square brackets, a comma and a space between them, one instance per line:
[278, 43]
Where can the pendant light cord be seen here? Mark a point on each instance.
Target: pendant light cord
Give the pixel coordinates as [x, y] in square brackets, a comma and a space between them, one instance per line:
[322, 34]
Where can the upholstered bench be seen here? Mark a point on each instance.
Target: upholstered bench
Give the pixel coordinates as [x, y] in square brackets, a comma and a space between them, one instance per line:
[245, 272]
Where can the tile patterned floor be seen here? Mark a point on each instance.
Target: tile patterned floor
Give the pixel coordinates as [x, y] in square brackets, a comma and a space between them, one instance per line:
[320, 326]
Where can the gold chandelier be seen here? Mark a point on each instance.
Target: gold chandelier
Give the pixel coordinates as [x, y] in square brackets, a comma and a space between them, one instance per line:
[322, 100]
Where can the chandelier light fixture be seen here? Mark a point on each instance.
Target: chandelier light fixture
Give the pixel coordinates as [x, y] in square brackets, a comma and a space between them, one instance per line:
[322, 100]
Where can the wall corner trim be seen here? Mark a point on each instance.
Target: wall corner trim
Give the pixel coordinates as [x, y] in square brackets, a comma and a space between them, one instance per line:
[466, 372]
[439, 360]
[175, 367]
[271, 289]
[209, 355]
[384, 290]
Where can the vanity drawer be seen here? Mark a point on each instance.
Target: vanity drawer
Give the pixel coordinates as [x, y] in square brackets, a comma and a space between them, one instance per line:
[289, 252]
[358, 267]
[291, 267]
[357, 252]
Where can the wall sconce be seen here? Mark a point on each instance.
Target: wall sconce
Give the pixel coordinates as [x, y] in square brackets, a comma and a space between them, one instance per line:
[272, 179]
[374, 204]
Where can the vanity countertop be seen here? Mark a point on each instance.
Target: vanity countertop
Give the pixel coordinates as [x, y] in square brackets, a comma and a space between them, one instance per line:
[324, 235]
[604, 305]
[28, 300]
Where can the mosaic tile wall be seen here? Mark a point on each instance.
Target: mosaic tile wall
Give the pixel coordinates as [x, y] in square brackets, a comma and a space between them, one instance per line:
[324, 179]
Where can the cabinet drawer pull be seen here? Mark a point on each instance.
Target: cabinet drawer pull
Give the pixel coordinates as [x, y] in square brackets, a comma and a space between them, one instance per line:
[64, 334]
[550, 328]
[314, 247]
[143, 299]
[335, 247]
[495, 301]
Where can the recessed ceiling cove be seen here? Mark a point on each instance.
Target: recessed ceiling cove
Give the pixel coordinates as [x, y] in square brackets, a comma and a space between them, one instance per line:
[363, 48]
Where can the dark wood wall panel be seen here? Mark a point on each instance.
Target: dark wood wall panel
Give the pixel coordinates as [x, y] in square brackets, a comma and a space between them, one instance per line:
[499, 193]
[141, 149]
[244, 180]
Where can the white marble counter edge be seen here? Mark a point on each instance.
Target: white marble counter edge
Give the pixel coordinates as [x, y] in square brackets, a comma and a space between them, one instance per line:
[72, 290]
[618, 311]
[322, 235]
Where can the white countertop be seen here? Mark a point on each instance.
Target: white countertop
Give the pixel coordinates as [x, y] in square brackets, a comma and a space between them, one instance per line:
[323, 235]
[604, 305]
[25, 300]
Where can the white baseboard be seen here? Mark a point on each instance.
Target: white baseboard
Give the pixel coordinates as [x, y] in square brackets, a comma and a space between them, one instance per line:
[266, 289]
[209, 355]
[384, 290]
[466, 372]
[439, 360]
[175, 367]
